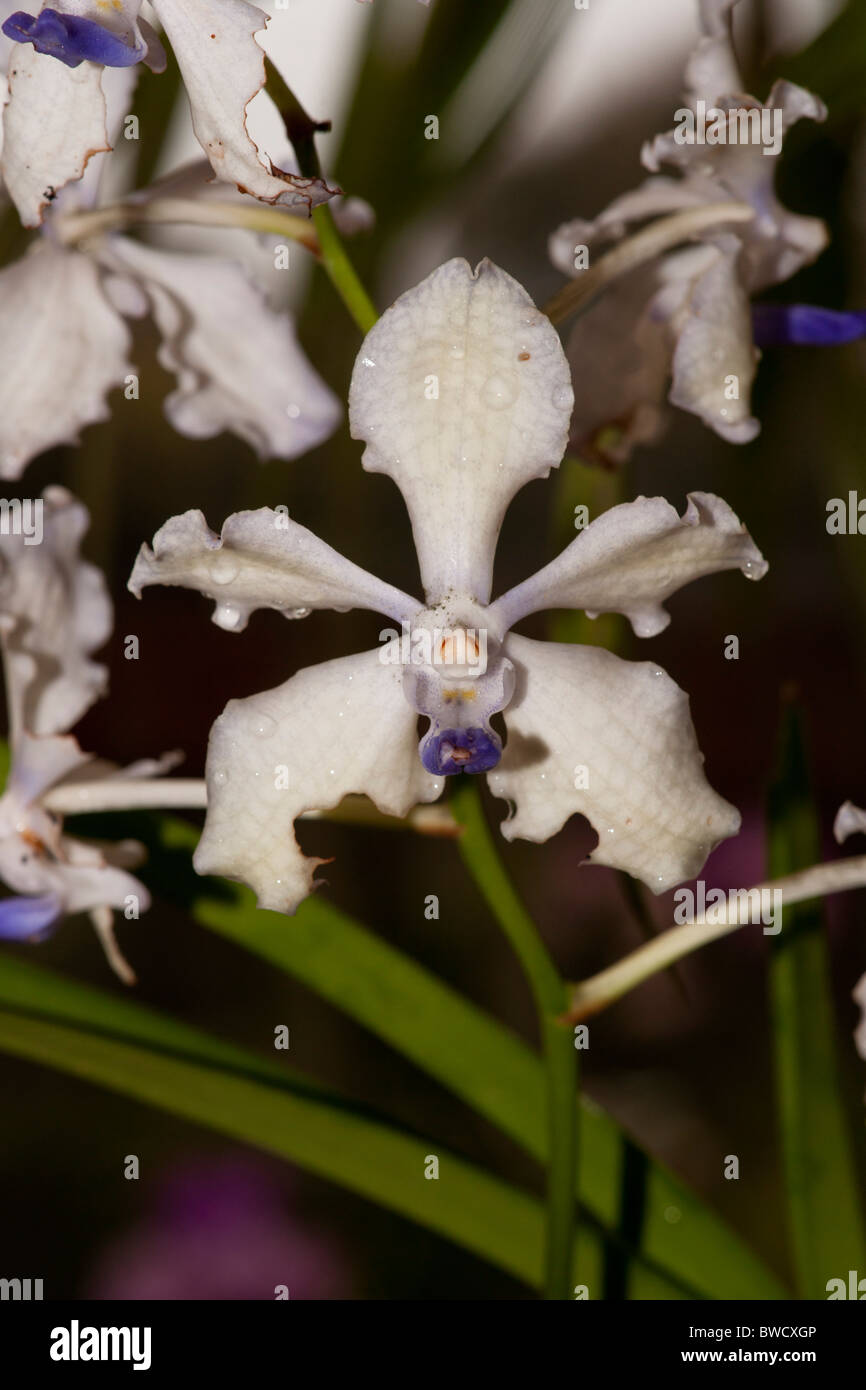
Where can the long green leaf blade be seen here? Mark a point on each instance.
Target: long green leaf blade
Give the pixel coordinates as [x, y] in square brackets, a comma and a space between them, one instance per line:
[485, 1064]
[824, 1210]
[477, 1211]
[72, 1027]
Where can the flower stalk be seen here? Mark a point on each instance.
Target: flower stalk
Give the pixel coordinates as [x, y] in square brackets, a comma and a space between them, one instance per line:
[480, 856]
[190, 793]
[647, 244]
[592, 995]
[340, 270]
[73, 228]
[301, 130]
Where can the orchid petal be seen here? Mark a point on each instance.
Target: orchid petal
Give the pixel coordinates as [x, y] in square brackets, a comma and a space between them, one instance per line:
[40, 762]
[78, 875]
[28, 919]
[54, 613]
[223, 68]
[462, 394]
[62, 349]
[613, 740]
[620, 347]
[850, 820]
[633, 557]
[858, 994]
[620, 351]
[54, 121]
[714, 360]
[777, 243]
[238, 363]
[712, 71]
[263, 559]
[344, 726]
[88, 880]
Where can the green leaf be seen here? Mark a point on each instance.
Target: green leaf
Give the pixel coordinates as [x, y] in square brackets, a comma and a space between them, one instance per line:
[440, 57]
[139, 1053]
[824, 1210]
[477, 1211]
[834, 64]
[28, 989]
[485, 1064]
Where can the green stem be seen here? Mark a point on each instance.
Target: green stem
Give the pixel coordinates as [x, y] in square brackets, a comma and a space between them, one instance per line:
[301, 130]
[340, 270]
[481, 857]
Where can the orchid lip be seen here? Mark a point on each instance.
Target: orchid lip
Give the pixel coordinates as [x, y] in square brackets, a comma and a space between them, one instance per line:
[71, 39]
[460, 750]
[29, 918]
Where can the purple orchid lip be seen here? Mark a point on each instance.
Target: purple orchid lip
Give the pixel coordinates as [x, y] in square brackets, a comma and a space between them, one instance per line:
[70, 39]
[28, 919]
[460, 750]
[774, 325]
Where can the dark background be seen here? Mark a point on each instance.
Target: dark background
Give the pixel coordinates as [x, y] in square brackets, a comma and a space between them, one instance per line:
[685, 1064]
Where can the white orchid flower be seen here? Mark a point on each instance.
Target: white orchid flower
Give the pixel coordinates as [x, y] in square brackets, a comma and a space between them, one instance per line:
[54, 613]
[462, 394]
[851, 820]
[55, 117]
[65, 343]
[858, 994]
[683, 320]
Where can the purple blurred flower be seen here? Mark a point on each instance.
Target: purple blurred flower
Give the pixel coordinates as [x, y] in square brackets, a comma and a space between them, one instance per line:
[774, 325]
[220, 1230]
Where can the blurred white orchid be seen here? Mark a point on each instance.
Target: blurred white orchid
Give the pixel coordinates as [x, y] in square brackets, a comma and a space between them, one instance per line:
[64, 341]
[859, 997]
[684, 317]
[55, 117]
[54, 613]
[851, 820]
[462, 394]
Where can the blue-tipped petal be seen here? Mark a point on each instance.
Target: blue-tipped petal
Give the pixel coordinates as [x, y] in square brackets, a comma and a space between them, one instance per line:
[460, 750]
[805, 324]
[28, 919]
[71, 40]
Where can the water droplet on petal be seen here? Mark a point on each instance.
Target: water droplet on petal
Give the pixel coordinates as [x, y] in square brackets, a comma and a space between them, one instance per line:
[299, 612]
[563, 398]
[227, 616]
[499, 391]
[263, 726]
[220, 778]
[457, 351]
[224, 567]
[293, 411]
